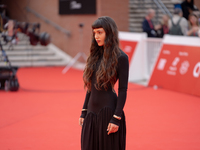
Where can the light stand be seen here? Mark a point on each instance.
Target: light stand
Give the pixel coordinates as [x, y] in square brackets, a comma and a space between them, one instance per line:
[74, 60]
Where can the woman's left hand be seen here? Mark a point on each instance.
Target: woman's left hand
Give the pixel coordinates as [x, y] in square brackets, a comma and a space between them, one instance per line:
[195, 29]
[81, 120]
[112, 128]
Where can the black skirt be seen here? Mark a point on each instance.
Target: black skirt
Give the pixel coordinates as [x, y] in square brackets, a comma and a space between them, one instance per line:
[94, 132]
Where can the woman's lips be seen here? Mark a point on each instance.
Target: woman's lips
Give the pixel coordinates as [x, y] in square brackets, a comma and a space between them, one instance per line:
[98, 41]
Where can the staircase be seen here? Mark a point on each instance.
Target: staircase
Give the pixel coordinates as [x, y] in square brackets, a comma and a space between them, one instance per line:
[25, 55]
[137, 12]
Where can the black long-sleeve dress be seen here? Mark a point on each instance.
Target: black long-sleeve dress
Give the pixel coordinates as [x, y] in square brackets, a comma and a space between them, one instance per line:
[101, 105]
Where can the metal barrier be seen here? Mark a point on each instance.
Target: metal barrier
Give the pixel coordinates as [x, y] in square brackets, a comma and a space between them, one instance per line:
[153, 47]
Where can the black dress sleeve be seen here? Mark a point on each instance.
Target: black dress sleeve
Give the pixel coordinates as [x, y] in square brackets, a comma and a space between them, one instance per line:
[123, 72]
[83, 114]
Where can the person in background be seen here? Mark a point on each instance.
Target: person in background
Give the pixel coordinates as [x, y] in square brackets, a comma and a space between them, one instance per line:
[193, 25]
[164, 26]
[188, 7]
[148, 26]
[178, 19]
[198, 18]
[177, 3]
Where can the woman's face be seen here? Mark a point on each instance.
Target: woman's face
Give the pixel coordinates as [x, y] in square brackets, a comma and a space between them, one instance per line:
[165, 19]
[99, 35]
[193, 20]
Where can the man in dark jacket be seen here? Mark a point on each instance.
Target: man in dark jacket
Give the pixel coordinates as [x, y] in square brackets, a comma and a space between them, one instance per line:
[148, 26]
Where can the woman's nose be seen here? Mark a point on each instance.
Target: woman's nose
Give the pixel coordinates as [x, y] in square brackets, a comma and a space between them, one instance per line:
[96, 36]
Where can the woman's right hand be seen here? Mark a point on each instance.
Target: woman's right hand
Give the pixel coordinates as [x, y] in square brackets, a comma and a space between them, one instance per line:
[81, 121]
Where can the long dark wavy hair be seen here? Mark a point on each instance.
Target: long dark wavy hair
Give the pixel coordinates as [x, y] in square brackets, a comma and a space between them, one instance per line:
[107, 71]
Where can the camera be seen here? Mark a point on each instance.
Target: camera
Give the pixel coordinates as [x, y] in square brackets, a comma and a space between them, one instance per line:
[9, 29]
[12, 27]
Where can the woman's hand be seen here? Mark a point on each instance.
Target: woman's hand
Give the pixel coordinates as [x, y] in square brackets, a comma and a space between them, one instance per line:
[81, 121]
[112, 128]
[195, 29]
[158, 27]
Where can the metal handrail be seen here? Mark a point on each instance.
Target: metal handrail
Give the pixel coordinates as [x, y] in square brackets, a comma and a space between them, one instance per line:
[56, 26]
[162, 7]
[165, 8]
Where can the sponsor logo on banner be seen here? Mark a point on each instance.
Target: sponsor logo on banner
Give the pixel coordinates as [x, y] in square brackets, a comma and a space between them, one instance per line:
[128, 47]
[196, 71]
[184, 67]
[166, 52]
[178, 68]
[161, 64]
[172, 69]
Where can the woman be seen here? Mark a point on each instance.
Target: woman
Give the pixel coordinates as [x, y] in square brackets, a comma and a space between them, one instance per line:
[194, 25]
[102, 118]
[164, 29]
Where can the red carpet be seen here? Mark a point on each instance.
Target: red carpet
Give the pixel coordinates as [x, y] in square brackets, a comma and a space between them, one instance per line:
[43, 114]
